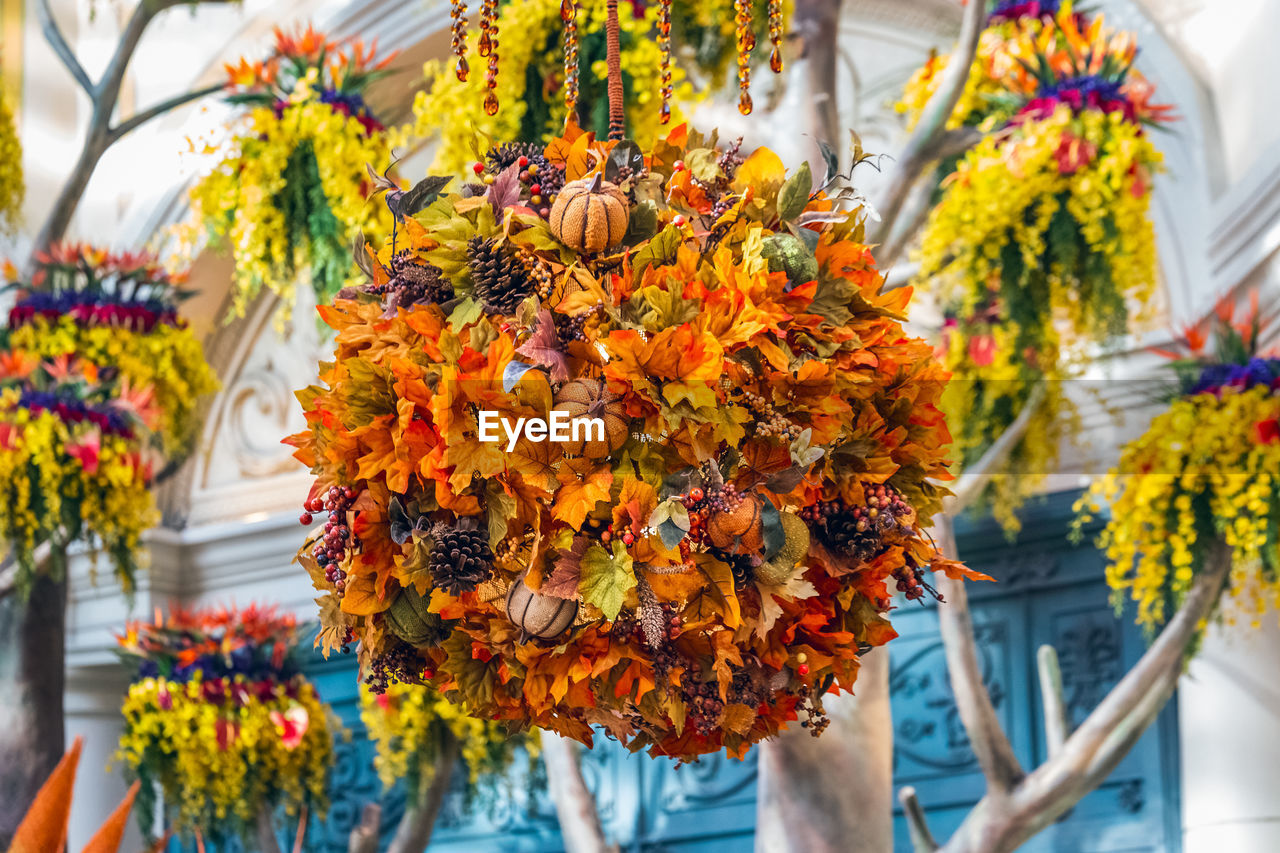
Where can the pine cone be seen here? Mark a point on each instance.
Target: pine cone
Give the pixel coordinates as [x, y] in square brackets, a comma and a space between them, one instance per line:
[461, 560]
[841, 533]
[412, 282]
[502, 281]
[502, 156]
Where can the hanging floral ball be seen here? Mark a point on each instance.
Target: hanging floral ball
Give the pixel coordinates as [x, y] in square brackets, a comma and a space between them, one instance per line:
[221, 723]
[649, 580]
[1206, 469]
[288, 193]
[100, 382]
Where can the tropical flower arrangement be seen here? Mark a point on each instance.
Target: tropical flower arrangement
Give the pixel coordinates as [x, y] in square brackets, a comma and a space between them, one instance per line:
[713, 558]
[221, 722]
[1207, 469]
[99, 384]
[531, 85]
[13, 186]
[1048, 212]
[409, 723]
[288, 195]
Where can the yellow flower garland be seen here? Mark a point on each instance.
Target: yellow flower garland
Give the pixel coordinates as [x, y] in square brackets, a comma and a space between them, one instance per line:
[238, 202]
[218, 764]
[406, 724]
[13, 187]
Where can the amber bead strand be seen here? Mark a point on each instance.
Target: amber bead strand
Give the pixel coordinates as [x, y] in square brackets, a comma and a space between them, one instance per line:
[775, 35]
[569, 17]
[664, 45]
[458, 12]
[489, 48]
[746, 44]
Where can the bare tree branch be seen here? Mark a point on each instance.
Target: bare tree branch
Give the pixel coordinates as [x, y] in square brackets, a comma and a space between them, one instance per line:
[364, 837]
[99, 136]
[53, 35]
[580, 827]
[921, 838]
[137, 119]
[973, 480]
[1005, 819]
[986, 736]
[414, 832]
[922, 146]
[267, 841]
[1056, 723]
[919, 201]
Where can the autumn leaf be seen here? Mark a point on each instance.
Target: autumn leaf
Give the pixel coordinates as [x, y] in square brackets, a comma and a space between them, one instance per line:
[957, 570]
[606, 578]
[721, 577]
[580, 492]
[543, 348]
[563, 582]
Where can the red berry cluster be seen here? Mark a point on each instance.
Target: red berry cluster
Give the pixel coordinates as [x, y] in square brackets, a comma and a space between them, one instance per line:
[911, 583]
[330, 550]
[705, 708]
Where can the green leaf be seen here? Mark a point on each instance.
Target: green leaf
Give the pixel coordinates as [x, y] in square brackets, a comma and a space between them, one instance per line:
[703, 164]
[606, 578]
[660, 250]
[625, 154]
[467, 312]
[500, 508]
[643, 223]
[774, 534]
[794, 194]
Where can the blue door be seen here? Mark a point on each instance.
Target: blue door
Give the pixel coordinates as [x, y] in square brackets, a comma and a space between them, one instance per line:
[1047, 591]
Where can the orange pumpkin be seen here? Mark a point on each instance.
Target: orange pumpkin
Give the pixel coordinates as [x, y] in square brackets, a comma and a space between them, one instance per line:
[740, 531]
[590, 215]
[591, 398]
[536, 615]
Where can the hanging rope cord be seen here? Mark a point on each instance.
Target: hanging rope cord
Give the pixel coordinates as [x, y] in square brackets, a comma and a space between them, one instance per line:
[617, 124]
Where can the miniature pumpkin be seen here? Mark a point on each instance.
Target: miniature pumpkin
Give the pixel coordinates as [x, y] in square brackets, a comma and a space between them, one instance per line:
[591, 398]
[740, 531]
[538, 615]
[782, 567]
[590, 215]
[409, 619]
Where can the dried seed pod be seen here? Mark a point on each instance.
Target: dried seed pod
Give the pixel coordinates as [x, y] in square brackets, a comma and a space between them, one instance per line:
[536, 615]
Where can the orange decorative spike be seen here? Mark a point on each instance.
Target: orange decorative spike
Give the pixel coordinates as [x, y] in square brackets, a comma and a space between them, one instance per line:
[44, 828]
[108, 837]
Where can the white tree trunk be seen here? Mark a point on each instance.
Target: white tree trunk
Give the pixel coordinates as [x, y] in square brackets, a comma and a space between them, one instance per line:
[833, 792]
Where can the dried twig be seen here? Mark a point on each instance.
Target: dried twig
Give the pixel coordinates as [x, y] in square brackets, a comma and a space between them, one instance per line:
[580, 826]
[986, 736]
[1015, 809]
